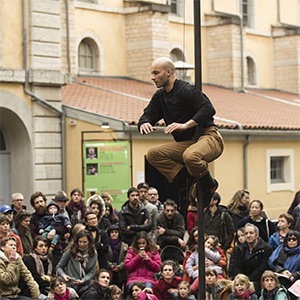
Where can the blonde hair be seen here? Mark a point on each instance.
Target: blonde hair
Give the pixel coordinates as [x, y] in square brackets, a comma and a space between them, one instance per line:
[243, 279]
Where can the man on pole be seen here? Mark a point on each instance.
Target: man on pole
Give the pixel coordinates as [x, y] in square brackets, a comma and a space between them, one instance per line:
[183, 107]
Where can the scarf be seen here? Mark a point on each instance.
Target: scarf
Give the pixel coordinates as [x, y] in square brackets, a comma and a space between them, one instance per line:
[245, 296]
[77, 206]
[115, 247]
[293, 261]
[270, 295]
[65, 297]
[39, 264]
[82, 257]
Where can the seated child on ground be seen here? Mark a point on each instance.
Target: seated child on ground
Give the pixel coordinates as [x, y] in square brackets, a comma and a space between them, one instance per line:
[242, 288]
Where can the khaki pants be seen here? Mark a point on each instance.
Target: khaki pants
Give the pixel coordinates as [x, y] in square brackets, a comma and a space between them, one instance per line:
[170, 158]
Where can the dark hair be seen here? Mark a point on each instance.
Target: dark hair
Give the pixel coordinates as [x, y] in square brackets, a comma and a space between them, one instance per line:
[211, 271]
[170, 202]
[5, 240]
[113, 227]
[21, 216]
[131, 190]
[259, 202]
[236, 200]
[35, 195]
[216, 241]
[89, 212]
[294, 233]
[143, 185]
[167, 262]
[77, 190]
[112, 290]
[112, 217]
[96, 277]
[151, 246]
[4, 219]
[55, 280]
[191, 243]
[139, 284]
[81, 234]
[38, 239]
[217, 197]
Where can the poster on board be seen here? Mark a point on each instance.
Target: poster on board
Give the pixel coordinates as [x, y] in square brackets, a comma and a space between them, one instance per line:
[107, 169]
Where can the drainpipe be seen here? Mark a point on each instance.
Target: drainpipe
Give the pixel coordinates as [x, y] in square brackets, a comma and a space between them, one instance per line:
[245, 153]
[39, 99]
[279, 19]
[240, 17]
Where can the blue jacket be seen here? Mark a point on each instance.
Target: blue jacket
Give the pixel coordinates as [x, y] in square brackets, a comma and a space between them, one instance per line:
[274, 240]
[57, 221]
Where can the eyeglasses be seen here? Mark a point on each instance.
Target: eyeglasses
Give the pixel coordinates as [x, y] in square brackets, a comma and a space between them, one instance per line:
[152, 194]
[18, 200]
[292, 239]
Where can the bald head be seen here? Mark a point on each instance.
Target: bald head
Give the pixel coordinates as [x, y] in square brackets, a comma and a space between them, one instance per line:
[165, 63]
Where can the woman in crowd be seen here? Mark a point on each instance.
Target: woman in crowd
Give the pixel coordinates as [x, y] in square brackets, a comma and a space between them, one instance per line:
[96, 204]
[265, 226]
[22, 222]
[108, 198]
[78, 264]
[98, 288]
[239, 207]
[243, 289]
[60, 291]
[40, 266]
[116, 255]
[138, 291]
[285, 259]
[110, 214]
[272, 290]
[214, 289]
[142, 260]
[240, 239]
[164, 287]
[77, 203]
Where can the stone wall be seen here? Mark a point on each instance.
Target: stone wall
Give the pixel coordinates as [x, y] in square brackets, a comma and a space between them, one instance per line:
[286, 44]
[147, 38]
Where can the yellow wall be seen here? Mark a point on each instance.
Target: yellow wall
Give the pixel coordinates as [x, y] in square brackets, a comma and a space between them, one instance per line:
[12, 36]
[16, 89]
[111, 28]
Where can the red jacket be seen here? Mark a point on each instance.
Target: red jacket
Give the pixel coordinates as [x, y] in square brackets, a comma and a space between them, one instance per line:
[142, 270]
[160, 287]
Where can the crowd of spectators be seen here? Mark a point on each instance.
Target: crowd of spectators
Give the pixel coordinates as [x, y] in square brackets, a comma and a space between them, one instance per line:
[72, 249]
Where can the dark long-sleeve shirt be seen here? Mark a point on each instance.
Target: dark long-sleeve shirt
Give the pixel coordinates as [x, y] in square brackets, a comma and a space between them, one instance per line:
[183, 103]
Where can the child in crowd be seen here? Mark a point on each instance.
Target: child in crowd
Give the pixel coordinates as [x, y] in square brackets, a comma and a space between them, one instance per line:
[240, 239]
[192, 215]
[284, 223]
[184, 291]
[53, 220]
[115, 293]
[138, 291]
[243, 289]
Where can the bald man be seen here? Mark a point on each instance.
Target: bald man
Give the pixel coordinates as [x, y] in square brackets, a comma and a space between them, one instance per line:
[183, 107]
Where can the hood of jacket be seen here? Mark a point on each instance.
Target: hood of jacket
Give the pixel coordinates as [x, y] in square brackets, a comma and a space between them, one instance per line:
[101, 204]
[52, 203]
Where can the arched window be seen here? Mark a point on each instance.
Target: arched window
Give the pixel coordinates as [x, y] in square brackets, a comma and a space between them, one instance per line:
[176, 55]
[86, 56]
[2, 141]
[251, 71]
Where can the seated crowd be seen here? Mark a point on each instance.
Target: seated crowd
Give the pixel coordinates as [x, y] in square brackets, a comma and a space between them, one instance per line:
[71, 250]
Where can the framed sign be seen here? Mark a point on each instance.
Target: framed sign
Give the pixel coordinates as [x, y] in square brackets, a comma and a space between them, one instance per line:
[107, 169]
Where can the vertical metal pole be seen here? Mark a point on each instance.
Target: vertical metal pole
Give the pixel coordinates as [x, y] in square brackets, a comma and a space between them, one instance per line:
[200, 206]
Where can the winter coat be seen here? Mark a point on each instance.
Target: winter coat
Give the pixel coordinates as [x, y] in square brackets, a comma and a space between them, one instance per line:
[160, 287]
[193, 261]
[69, 266]
[94, 292]
[73, 295]
[175, 229]
[146, 296]
[122, 274]
[281, 294]
[57, 222]
[43, 284]
[142, 270]
[135, 221]
[26, 239]
[153, 213]
[257, 263]
[274, 241]
[10, 273]
[219, 224]
[233, 296]
[242, 214]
